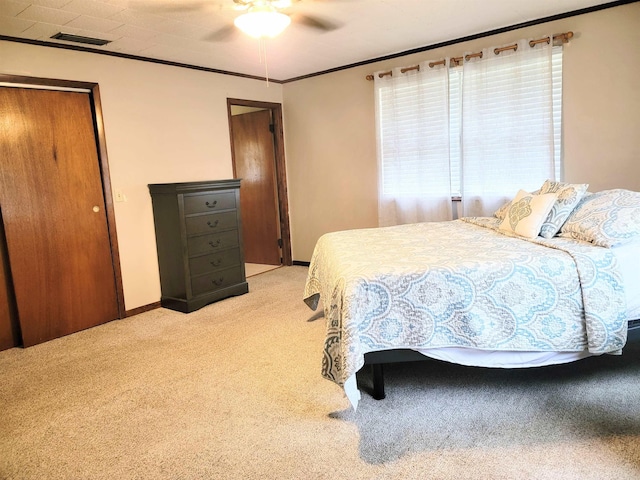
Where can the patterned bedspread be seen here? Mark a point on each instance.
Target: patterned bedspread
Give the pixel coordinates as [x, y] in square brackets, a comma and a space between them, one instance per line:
[461, 284]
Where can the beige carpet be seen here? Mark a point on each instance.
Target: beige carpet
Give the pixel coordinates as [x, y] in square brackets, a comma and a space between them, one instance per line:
[234, 391]
[252, 269]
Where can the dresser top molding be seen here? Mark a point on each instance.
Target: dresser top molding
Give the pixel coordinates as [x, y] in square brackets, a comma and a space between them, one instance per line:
[190, 187]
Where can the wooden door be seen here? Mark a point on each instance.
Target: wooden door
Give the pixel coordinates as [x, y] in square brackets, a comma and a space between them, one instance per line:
[54, 213]
[254, 158]
[9, 329]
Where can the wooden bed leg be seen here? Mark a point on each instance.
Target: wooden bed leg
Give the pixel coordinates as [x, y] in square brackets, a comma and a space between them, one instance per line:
[378, 381]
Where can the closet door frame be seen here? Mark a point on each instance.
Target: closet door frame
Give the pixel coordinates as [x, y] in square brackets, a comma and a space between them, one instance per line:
[94, 98]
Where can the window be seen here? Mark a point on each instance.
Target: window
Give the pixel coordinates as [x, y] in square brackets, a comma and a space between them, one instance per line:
[501, 116]
[412, 112]
[414, 134]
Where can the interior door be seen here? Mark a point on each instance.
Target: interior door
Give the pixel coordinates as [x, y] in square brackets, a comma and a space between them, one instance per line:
[9, 330]
[254, 158]
[54, 213]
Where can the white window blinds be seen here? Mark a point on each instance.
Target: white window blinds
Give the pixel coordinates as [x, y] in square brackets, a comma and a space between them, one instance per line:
[507, 126]
[412, 111]
[495, 129]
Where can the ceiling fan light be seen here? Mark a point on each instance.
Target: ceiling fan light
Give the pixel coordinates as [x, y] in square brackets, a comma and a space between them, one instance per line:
[261, 22]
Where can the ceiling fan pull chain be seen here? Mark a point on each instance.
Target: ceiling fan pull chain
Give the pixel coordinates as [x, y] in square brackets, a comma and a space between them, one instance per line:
[262, 53]
[266, 66]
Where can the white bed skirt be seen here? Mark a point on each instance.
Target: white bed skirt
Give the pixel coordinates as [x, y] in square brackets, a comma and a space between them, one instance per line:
[501, 359]
[482, 358]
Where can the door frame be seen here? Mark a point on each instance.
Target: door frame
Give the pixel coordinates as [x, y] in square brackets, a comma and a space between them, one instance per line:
[93, 91]
[280, 166]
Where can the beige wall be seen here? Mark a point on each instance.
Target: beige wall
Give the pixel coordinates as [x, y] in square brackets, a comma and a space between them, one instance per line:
[169, 124]
[330, 125]
[331, 156]
[162, 124]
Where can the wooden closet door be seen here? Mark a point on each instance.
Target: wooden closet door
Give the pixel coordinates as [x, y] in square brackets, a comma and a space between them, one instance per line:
[9, 330]
[54, 214]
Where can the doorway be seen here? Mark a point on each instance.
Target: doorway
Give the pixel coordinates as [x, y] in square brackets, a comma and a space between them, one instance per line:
[257, 149]
[60, 260]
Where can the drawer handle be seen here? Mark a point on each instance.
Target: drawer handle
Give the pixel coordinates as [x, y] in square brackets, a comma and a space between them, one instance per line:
[212, 204]
[216, 244]
[216, 263]
[217, 282]
[214, 224]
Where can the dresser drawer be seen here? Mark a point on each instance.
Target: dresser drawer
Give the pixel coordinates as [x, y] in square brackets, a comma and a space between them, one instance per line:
[211, 223]
[212, 243]
[209, 202]
[215, 280]
[214, 261]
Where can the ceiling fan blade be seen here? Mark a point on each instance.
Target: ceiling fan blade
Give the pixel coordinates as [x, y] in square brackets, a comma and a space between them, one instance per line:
[315, 22]
[225, 34]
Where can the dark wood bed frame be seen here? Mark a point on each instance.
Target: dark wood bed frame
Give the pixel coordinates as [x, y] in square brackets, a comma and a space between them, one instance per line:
[378, 359]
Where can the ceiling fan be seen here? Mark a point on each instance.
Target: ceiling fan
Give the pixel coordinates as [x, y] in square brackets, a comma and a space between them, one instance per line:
[269, 18]
[260, 18]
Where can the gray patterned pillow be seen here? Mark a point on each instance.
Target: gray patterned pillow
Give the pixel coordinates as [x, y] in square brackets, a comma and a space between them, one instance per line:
[568, 197]
[607, 218]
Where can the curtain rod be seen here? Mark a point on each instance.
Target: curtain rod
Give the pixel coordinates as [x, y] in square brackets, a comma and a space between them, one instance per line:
[456, 61]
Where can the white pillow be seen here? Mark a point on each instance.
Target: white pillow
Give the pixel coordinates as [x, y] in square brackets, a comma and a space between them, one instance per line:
[527, 213]
[569, 195]
[502, 211]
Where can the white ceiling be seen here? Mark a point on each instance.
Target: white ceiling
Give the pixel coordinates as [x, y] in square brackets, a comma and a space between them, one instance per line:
[368, 29]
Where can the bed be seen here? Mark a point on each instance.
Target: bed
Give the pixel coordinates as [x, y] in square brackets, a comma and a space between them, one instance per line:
[475, 292]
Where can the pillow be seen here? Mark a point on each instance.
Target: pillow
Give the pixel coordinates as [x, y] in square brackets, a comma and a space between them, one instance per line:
[608, 218]
[568, 197]
[527, 213]
[502, 211]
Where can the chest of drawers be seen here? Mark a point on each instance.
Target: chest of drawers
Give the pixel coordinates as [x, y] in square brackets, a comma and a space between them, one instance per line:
[199, 242]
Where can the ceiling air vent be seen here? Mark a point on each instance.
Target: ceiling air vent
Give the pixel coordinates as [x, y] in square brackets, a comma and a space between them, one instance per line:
[78, 39]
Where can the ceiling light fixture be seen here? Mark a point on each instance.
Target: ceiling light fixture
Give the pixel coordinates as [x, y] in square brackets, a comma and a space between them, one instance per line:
[262, 21]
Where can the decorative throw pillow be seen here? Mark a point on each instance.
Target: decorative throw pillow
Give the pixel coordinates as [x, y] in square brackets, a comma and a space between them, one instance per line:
[568, 197]
[608, 218]
[502, 211]
[527, 213]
